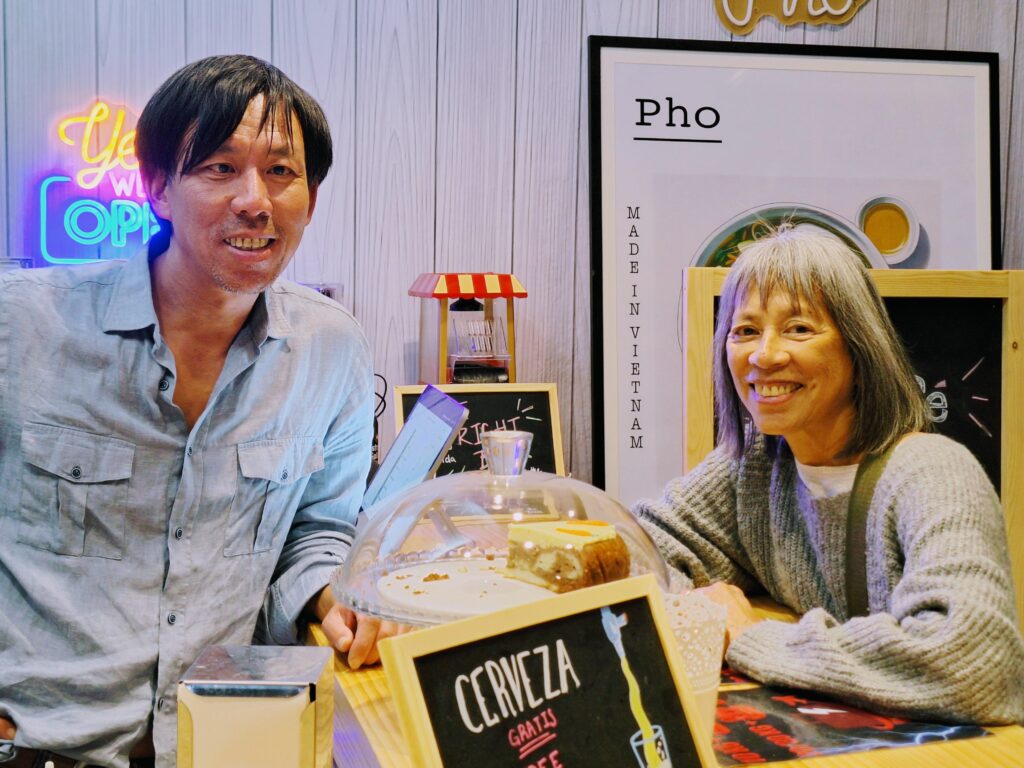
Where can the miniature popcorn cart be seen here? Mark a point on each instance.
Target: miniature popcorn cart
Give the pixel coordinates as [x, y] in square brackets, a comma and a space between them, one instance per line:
[466, 336]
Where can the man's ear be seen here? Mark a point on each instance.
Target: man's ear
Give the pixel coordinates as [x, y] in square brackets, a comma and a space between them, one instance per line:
[312, 202]
[156, 191]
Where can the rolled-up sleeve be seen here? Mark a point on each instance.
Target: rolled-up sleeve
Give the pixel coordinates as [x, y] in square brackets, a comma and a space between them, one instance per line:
[323, 527]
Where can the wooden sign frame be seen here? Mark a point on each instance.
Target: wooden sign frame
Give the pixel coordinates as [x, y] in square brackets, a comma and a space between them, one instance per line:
[464, 392]
[703, 284]
[399, 655]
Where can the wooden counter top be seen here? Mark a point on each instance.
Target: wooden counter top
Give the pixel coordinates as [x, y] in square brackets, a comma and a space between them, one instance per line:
[367, 733]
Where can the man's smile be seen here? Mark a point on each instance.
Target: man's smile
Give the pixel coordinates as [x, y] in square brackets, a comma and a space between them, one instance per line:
[249, 243]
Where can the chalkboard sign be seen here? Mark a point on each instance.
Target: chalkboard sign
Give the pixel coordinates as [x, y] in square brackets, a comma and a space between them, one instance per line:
[529, 407]
[955, 348]
[587, 678]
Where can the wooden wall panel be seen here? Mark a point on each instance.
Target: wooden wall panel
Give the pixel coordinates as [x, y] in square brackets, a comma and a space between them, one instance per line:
[461, 134]
[396, 103]
[476, 59]
[139, 44]
[860, 31]
[693, 21]
[910, 23]
[1013, 182]
[989, 26]
[631, 18]
[51, 58]
[544, 226]
[228, 26]
[315, 44]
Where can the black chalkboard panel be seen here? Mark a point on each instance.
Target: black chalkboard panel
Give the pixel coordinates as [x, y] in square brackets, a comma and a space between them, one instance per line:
[529, 407]
[955, 348]
[559, 693]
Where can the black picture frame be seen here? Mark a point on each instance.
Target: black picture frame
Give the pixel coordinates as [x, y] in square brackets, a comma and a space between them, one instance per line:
[672, 182]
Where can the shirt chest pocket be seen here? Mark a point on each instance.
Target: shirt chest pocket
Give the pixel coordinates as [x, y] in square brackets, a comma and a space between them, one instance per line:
[74, 491]
[269, 488]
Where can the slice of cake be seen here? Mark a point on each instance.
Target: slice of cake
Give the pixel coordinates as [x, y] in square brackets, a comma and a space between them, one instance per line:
[566, 554]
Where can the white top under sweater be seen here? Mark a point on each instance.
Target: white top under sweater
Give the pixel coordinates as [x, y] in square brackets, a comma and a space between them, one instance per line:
[941, 641]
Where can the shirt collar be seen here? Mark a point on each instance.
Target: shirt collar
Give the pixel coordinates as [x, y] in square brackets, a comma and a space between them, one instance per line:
[131, 304]
[269, 311]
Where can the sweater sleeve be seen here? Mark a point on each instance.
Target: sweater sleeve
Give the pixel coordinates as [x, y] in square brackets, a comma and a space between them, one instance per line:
[694, 524]
[941, 641]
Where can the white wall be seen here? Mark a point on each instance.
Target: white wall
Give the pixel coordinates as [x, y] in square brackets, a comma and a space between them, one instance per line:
[460, 130]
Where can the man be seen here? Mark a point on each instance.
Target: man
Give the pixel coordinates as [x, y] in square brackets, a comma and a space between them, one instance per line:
[183, 440]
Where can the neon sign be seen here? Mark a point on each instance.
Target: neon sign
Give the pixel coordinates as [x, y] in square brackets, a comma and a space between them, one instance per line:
[99, 211]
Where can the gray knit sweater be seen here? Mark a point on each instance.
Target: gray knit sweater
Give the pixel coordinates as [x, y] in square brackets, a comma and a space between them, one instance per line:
[941, 640]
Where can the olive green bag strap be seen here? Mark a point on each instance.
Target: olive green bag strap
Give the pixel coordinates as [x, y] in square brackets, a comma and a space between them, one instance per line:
[870, 469]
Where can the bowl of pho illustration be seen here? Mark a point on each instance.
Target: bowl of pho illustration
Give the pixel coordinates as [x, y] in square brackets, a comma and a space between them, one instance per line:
[723, 246]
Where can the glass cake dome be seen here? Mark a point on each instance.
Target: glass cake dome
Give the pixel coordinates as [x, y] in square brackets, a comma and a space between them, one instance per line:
[438, 551]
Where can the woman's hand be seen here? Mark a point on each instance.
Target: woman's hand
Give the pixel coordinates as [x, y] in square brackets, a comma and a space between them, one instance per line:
[740, 614]
[7, 729]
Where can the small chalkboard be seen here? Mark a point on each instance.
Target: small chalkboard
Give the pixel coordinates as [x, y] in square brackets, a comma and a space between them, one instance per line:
[587, 678]
[955, 347]
[529, 407]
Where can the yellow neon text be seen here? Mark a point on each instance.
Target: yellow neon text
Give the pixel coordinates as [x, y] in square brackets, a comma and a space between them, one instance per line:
[118, 151]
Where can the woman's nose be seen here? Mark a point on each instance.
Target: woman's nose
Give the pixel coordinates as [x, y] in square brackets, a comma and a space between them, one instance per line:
[251, 196]
[769, 353]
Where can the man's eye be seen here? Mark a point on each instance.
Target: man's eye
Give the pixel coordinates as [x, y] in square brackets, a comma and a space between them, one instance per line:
[280, 170]
[219, 167]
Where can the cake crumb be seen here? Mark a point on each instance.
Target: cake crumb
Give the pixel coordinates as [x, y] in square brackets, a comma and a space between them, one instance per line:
[417, 591]
[436, 577]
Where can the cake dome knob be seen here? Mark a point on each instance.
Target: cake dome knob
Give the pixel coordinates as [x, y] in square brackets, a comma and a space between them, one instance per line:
[506, 450]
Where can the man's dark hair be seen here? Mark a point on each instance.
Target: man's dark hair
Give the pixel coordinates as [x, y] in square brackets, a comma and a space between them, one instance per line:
[199, 106]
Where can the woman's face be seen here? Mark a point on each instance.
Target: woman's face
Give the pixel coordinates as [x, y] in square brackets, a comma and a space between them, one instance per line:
[792, 371]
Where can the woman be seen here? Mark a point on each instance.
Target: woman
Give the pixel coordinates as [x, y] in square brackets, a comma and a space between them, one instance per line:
[810, 378]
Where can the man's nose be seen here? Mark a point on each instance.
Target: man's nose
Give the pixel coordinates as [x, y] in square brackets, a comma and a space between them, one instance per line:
[770, 352]
[251, 196]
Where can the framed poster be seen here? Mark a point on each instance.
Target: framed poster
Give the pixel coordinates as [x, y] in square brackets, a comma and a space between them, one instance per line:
[697, 147]
[592, 677]
[528, 407]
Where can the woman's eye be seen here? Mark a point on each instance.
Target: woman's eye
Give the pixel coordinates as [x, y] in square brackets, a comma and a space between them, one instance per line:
[743, 332]
[800, 328]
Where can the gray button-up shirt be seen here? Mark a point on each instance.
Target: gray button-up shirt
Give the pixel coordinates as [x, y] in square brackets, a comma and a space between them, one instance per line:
[129, 542]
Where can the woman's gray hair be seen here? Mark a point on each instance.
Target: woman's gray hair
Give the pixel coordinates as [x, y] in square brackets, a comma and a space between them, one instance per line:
[810, 265]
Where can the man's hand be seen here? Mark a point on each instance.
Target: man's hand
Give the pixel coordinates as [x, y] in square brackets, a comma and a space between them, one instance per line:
[7, 729]
[350, 632]
[740, 614]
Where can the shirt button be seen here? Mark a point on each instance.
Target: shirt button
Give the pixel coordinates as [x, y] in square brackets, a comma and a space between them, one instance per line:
[189, 450]
[178, 533]
[164, 384]
[171, 618]
[284, 475]
[76, 471]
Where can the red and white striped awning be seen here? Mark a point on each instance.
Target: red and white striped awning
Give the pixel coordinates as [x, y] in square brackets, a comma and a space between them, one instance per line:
[467, 285]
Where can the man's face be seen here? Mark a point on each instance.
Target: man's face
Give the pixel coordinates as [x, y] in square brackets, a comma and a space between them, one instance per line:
[239, 215]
